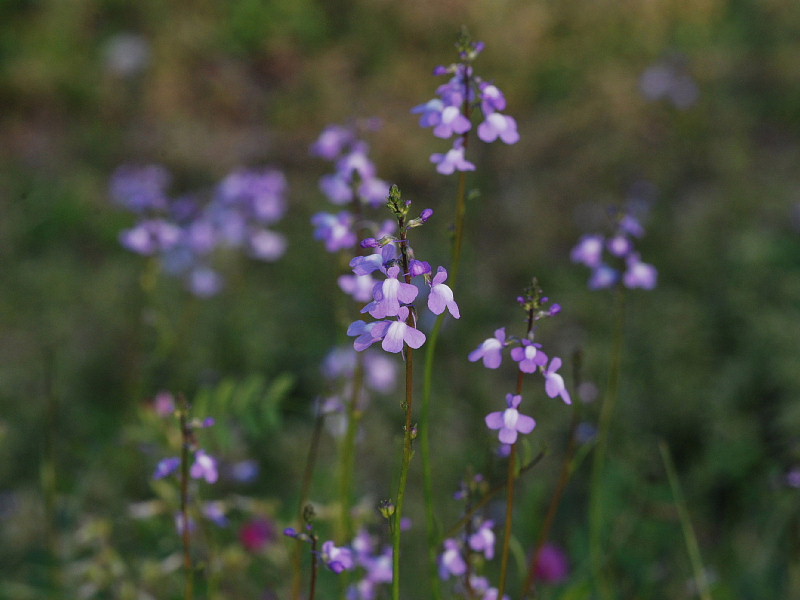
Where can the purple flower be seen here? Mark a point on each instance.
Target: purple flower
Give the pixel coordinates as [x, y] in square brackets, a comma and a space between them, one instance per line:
[151, 236]
[554, 383]
[204, 467]
[529, 356]
[399, 332]
[492, 99]
[364, 265]
[451, 121]
[639, 274]
[267, 245]
[379, 372]
[331, 142]
[483, 540]
[603, 277]
[454, 160]
[441, 296]
[619, 245]
[166, 466]
[336, 188]
[358, 286]
[215, 512]
[497, 125]
[451, 562]
[510, 421]
[258, 194]
[140, 189]
[431, 112]
[491, 350]
[419, 267]
[335, 230]
[367, 333]
[204, 282]
[389, 294]
[588, 251]
[337, 559]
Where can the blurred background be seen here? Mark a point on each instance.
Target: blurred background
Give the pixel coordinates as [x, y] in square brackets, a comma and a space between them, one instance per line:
[689, 110]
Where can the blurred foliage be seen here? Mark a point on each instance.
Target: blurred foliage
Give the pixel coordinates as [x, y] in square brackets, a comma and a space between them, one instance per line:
[711, 356]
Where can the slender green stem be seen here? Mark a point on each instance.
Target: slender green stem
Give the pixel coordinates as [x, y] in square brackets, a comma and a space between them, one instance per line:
[427, 470]
[427, 384]
[510, 487]
[348, 452]
[314, 568]
[186, 439]
[692, 547]
[305, 490]
[408, 435]
[563, 480]
[598, 556]
[462, 522]
[409, 430]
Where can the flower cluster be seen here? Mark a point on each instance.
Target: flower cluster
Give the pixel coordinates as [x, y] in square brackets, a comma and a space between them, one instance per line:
[530, 358]
[394, 295]
[354, 183]
[184, 232]
[630, 271]
[371, 567]
[449, 113]
[204, 466]
[477, 545]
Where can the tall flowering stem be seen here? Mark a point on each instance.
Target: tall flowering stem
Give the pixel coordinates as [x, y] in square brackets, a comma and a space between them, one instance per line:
[409, 431]
[512, 477]
[601, 449]
[509, 423]
[450, 114]
[186, 438]
[615, 263]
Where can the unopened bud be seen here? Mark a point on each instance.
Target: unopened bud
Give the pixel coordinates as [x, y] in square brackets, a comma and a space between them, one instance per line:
[386, 508]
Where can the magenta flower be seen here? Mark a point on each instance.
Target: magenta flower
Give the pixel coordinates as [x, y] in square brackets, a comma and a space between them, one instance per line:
[554, 383]
[552, 565]
[390, 294]
[441, 296]
[510, 422]
[491, 350]
[256, 534]
[529, 356]
[399, 332]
